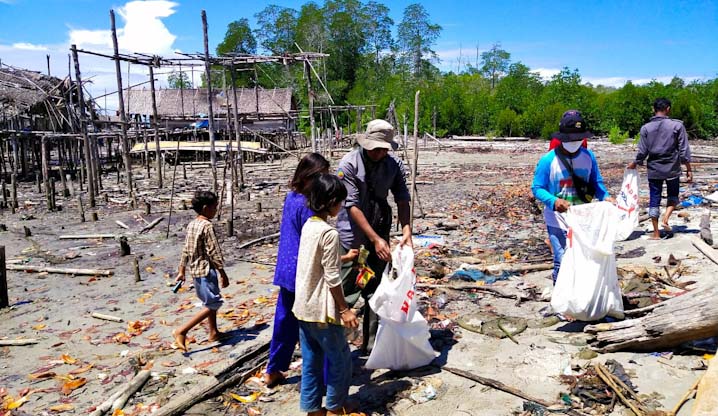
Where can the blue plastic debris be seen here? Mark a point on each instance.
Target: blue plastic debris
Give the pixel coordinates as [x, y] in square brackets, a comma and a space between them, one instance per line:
[478, 275]
[691, 201]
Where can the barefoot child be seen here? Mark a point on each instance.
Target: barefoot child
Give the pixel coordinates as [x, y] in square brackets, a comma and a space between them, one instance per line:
[320, 306]
[201, 253]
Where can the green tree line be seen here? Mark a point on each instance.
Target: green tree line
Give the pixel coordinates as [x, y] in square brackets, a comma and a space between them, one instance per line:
[367, 64]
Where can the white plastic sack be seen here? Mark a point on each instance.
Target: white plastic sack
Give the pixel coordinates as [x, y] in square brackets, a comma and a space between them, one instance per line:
[587, 284]
[402, 341]
[627, 204]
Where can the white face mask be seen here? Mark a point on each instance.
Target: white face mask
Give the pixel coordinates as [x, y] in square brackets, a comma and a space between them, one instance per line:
[572, 147]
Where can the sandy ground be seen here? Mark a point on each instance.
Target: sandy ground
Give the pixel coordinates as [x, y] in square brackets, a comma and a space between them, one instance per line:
[477, 198]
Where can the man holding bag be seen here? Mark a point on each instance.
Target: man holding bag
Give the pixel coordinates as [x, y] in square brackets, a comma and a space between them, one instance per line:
[664, 142]
[567, 175]
[369, 173]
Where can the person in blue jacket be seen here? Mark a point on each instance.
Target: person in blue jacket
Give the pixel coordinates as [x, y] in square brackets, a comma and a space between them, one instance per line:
[567, 175]
[294, 214]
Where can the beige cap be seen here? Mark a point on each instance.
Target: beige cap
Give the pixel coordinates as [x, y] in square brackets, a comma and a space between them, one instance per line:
[379, 135]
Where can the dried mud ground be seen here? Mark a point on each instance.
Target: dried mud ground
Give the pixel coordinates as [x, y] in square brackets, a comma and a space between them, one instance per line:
[475, 195]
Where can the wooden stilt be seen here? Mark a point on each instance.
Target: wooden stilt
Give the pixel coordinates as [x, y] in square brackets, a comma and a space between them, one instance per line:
[123, 115]
[81, 208]
[83, 122]
[155, 120]
[4, 298]
[45, 173]
[172, 191]
[15, 205]
[416, 159]
[208, 75]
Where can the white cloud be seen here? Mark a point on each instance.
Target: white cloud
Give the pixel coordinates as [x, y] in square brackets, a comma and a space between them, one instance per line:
[143, 29]
[139, 28]
[24, 46]
[546, 73]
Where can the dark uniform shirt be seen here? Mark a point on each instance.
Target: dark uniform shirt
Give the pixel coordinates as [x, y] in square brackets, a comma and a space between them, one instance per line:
[664, 143]
[389, 174]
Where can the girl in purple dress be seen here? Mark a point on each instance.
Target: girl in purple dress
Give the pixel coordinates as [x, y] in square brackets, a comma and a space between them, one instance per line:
[294, 214]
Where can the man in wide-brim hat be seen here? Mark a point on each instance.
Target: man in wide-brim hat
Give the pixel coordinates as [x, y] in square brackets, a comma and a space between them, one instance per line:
[369, 173]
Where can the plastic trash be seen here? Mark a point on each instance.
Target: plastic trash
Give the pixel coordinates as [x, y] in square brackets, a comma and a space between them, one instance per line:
[627, 205]
[691, 201]
[402, 341]
[425, 240]
[587, 284]
[472, 275]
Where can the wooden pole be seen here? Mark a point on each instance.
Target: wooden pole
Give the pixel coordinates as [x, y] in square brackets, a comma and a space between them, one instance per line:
[83, 124]
[147, 153]
[136, 267]
[208, 75]
[155, 121]
[310, 94]
[4, 194]
[4, 298]
[416, 159]
[81, 208]
[240, 155]
[53, 206]
[15, 205]
[172, 191]
[123, 115]
[45, 174]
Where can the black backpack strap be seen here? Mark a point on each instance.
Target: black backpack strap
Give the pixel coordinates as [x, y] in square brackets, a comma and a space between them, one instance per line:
[564, 161]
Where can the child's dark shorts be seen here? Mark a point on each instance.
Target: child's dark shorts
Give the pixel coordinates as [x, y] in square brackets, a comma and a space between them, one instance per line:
[207, 289]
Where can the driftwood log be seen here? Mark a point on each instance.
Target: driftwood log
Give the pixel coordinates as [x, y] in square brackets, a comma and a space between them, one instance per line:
[706, 397]
[236, 373]
[39, 269]
[151, 225]
[86, 236]
[707, 250]
[681, 319]
[17, 342]
[118, 399]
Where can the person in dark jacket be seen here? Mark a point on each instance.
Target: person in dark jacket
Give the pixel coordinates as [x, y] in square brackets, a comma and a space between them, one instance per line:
[664, 144]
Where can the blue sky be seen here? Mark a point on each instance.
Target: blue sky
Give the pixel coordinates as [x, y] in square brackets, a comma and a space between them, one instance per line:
[609, 42]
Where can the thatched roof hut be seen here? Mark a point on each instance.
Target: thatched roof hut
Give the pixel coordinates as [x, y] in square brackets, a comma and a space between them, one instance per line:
[272, 104]
[32, 95]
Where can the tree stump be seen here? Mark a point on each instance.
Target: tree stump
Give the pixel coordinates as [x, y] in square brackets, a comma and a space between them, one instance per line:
[124, 247]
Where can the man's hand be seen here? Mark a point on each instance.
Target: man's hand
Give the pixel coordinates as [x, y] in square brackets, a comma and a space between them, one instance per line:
[611, 200]
[631, 165]
[180, 276]
[406, 239]
[689, 176]
[348, 318]
[561, 205]
[382, 249]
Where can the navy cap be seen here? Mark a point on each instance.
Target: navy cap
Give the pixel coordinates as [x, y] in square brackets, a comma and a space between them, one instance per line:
[572, 127]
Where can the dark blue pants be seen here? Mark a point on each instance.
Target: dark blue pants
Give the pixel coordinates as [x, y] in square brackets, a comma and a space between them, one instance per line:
[285, 334]
[655, 186]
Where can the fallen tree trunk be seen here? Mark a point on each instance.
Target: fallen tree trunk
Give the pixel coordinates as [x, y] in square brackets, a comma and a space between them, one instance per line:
[508, 267]
[681, 319]
[40, 269]
[236, 373]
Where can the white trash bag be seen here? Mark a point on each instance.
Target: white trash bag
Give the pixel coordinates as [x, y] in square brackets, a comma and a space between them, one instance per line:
[402, 341]
[587, 284]
[627, 204]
